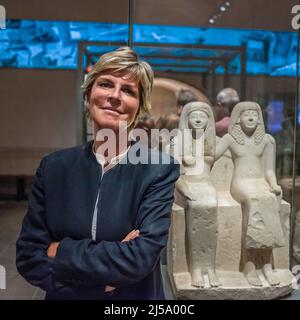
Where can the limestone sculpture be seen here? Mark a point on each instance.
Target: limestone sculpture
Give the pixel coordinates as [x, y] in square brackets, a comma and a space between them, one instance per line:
[197, 192]
[255, 187]
[250, 257]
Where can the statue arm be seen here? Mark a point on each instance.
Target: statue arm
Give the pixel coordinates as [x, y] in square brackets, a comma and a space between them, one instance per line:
[188, 160]
[222, 146]
[209, 159]
[182, 188]
[269, 165]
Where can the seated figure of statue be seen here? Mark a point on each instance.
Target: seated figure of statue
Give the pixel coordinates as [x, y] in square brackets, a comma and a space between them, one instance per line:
[195, 187]
[255, 187]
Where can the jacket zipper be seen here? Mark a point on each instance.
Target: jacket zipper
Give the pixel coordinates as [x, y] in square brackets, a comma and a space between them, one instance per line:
[95, 213]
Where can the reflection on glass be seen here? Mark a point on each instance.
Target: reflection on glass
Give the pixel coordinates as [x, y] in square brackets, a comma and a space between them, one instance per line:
[53, 44]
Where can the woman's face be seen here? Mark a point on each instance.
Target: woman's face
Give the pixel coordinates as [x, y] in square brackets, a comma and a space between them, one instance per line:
[249, 119]
[198, 120]
[113, 99]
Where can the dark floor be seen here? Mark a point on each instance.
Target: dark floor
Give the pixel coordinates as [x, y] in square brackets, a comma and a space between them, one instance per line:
[11, 214]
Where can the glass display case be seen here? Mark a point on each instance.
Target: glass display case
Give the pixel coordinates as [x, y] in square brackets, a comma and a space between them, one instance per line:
[251, 46]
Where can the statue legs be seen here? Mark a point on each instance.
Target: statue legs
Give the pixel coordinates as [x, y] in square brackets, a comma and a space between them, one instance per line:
[262, 259]
[201, 232]
[262, 232]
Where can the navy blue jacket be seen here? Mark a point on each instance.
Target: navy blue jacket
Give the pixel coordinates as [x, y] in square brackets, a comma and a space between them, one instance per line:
[61, 206]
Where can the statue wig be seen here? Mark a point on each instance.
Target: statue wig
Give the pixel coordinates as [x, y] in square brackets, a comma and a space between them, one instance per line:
[235, 129]
[209, 132]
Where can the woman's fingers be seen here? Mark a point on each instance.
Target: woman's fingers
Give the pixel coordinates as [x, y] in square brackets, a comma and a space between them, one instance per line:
[131, 235]
[51, 251]
[109, 289]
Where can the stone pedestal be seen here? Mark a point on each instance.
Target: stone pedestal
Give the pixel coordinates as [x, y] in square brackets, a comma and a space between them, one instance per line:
[234, 287]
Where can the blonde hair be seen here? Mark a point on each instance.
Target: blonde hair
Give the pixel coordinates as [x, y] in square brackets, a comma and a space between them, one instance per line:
[123, 61]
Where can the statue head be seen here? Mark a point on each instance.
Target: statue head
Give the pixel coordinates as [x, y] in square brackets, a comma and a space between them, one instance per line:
[249, 121]
[198, 120]
[246, 119]
[199, 116]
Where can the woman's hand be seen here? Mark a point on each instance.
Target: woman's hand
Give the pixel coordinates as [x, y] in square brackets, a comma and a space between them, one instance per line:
[130, 236]
[52, 249]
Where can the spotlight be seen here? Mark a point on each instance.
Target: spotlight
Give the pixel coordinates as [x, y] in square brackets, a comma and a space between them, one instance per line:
[211, 21]
[222, 8]
[227, 3]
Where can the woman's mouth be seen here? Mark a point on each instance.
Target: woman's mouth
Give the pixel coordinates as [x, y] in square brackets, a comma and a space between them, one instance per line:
[111, 111]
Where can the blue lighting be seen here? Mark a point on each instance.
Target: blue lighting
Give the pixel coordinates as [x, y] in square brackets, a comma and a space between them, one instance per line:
[275, 116]
[54, 45]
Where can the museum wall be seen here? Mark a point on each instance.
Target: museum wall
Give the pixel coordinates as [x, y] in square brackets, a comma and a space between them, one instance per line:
[42, 103]
[67, 10]
[260, 88]
[38, 108]
[244, 14]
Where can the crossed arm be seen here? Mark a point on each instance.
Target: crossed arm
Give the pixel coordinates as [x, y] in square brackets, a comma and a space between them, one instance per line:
[52, 249]
[85, 262]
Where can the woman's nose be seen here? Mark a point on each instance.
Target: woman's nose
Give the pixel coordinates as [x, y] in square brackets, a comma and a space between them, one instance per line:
[115, 93]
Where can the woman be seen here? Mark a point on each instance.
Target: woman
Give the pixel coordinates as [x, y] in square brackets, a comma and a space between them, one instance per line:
[254, 185]
[84, 201]
[194, 184]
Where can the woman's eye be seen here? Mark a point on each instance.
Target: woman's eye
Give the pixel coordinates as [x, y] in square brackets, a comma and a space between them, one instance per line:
[104, 84]
[129, 92]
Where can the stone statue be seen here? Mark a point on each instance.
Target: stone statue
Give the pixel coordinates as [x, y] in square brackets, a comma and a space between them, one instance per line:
[197, 192]
[230, 227]
[296, 239]
[255, 187]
